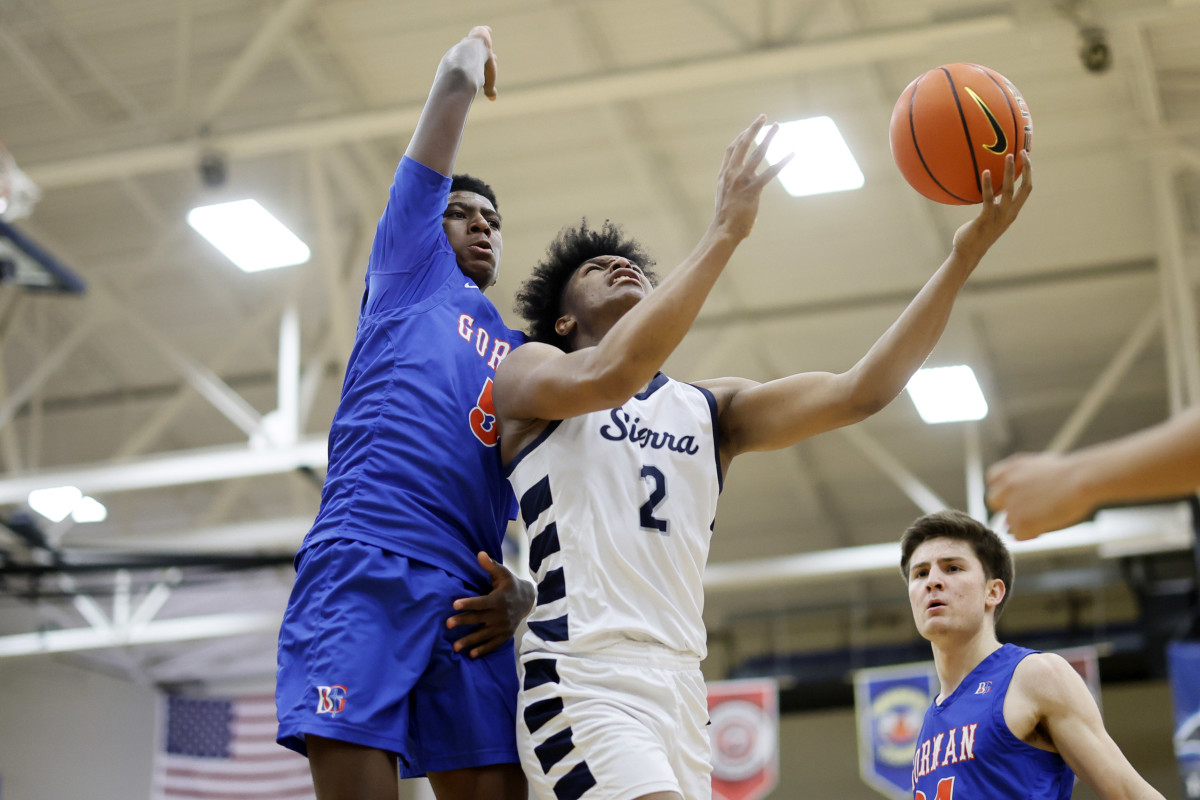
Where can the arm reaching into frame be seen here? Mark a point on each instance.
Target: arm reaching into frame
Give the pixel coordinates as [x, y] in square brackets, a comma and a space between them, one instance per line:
[1043, 492]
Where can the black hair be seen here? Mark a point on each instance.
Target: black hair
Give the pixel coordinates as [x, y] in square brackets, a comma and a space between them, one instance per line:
[988, 548]
[463, 182]
[539, 299]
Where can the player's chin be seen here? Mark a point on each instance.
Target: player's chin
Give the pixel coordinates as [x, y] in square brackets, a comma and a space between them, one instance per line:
[484, 273]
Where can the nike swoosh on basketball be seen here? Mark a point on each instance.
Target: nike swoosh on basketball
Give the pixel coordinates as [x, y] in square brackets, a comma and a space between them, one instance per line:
[1001, 143]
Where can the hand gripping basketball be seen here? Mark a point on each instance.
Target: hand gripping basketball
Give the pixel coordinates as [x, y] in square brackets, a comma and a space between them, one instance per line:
[953, 123]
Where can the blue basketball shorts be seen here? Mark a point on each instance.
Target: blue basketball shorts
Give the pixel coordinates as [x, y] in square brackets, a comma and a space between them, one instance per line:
[365, 657]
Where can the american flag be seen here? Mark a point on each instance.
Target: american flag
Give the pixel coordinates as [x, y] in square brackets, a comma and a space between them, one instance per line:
[224, 749]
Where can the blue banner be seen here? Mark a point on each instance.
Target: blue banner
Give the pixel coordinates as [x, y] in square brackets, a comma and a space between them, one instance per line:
[891, 704]
[1183, 664]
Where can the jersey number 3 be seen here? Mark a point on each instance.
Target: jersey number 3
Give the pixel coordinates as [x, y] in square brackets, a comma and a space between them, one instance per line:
[945, 790]
[483, 417]
[658, 493]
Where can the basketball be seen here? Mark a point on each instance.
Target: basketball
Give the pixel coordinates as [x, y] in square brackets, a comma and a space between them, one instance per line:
[952, 123]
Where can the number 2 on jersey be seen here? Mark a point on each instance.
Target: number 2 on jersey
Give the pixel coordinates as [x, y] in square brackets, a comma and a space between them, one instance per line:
[657, 494]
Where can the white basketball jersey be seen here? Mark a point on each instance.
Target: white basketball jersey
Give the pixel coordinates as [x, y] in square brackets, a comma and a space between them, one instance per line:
[619, 507]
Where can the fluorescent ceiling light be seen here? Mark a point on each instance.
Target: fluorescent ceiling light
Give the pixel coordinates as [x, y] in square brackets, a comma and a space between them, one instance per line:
[56, 503]
[947, 394]
[823, 163]
[248, 235]
[89, 509]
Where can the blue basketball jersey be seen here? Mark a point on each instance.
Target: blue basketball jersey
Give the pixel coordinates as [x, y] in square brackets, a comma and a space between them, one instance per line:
[966, 749]
[413, 462]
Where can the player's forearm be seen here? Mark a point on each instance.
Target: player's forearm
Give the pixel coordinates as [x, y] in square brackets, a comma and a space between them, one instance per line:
[1127, 785]
[1162, 461]
[635, 348]
[459, 77]
[887, 367]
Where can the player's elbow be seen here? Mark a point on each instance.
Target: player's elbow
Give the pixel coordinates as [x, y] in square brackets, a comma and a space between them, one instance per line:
[865, 401]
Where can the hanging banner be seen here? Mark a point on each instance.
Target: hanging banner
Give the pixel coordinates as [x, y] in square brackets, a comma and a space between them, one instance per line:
[1183, 666]
[745, 738]
[890, 704]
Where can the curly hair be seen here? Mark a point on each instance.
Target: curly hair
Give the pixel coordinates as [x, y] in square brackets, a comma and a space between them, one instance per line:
[950, 524]
[539, 299]
[463, 182]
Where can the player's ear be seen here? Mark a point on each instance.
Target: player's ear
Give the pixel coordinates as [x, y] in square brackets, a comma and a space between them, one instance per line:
[564, 325]
[995, 592]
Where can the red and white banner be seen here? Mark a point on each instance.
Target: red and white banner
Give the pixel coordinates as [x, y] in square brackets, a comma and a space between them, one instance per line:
[745, 738]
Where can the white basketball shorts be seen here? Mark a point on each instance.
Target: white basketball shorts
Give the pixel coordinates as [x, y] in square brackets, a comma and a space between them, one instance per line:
[614, 726]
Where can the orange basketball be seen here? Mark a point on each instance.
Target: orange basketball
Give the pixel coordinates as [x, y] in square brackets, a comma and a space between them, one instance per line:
[951, 124]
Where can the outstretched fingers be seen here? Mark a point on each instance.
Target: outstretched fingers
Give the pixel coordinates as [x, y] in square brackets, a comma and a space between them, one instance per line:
[736, 153]
[768, 174]
[760, 152]
[1026, 179]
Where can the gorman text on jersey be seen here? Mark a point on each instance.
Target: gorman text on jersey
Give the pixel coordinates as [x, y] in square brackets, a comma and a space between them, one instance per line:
[958, 745]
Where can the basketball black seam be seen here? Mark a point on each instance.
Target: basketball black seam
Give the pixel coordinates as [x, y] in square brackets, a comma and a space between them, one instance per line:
[966, 130]
[1011, 110]
[912, 127]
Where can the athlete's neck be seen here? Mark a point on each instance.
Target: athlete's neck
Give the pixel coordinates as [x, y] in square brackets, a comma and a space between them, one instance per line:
[954, 660]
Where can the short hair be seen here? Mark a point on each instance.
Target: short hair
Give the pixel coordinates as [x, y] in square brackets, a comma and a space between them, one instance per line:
[463, 182]
[987, 546]
[539, 299]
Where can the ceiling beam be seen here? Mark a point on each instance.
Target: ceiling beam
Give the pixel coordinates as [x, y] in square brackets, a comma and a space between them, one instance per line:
[1107, 382]
[257, 53]
[28, 63]
[916, 490]
[278, 535]
[611, 87]
[174, 469]
[1114, 533]
[156, 632]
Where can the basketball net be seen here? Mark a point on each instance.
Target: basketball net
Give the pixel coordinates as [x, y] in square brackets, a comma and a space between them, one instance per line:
[18, 194]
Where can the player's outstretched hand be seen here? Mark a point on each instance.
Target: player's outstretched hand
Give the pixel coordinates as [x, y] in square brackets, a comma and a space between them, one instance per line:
[974, 238]
[484, 33]
[1037, 493]
[497, 613]
[739, 185]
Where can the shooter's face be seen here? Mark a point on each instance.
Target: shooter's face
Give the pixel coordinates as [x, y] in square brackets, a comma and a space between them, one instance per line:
[600, 292]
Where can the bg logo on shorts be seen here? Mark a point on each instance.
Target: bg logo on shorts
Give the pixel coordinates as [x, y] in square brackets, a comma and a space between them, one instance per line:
[331, 699]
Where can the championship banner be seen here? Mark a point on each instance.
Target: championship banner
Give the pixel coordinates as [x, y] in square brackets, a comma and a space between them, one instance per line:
[1183, 666]
[890, 704]
[745, 738]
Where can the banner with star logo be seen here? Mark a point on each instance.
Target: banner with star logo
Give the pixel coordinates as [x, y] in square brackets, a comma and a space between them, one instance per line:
[890, 704]
[1183, 665]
